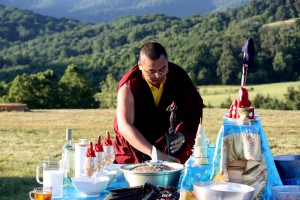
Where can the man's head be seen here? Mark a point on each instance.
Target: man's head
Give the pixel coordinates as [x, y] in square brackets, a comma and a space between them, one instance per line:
[153, 62]
[153, 51]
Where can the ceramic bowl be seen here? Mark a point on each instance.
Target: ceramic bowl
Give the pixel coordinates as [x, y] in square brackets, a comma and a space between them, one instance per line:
[110, 174]
[115, 168]
[90, 186]
[160, 178]
[222, 190]
[286, 192]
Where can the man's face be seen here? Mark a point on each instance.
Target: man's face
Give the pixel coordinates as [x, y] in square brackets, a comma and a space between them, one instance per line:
[154, 70]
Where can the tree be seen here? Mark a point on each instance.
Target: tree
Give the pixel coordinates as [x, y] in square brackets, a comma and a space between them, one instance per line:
[38, 91]
[283, 66]
[204, 76]
[76, 90]
[108, 96]
[4, 88]
[292, 98]
[226, 68]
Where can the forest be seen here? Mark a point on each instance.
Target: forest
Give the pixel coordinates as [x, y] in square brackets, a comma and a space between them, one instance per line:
[207, 46]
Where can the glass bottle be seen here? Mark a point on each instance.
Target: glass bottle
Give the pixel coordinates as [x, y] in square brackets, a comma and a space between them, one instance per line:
[68, 157]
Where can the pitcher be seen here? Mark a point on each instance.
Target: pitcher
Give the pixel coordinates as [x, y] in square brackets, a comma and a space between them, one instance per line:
[53, 176]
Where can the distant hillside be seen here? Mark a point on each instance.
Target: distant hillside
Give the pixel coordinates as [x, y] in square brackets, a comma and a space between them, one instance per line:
[23, 25]
[207, 46]
[106, 10]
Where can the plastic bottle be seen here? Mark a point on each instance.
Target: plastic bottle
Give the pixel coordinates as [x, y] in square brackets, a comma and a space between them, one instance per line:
[68, 156]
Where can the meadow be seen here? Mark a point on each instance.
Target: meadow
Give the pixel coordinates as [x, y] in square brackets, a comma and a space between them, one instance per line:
[27, 138]
[215, 95]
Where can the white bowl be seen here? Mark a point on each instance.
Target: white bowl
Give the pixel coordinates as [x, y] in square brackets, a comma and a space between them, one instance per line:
[116, 169]
[90, 186]
[111, 174]
[222, 191]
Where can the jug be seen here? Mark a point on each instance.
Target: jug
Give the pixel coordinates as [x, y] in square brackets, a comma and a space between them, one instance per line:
[53, 176]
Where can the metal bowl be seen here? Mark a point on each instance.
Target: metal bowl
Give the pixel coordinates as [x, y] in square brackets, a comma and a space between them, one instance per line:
[286, 192]
[288, 167]
[222, 191]
[161, 178]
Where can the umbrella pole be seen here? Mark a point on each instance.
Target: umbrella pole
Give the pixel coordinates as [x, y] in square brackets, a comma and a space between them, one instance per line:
[244, 75]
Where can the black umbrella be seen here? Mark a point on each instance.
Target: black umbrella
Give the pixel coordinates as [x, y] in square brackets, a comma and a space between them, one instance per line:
[249, 53]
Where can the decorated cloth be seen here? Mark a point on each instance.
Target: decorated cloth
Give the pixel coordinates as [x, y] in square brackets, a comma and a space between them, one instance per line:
[245, 146]
[247, 142]
[153, 121]
[195, 172]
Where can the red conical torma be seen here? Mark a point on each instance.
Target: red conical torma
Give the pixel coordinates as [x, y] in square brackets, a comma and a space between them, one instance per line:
[98, 146]
[107, 141]
[90, 151]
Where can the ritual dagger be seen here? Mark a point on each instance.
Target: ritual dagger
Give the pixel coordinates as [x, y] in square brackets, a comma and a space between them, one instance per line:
[170, 136]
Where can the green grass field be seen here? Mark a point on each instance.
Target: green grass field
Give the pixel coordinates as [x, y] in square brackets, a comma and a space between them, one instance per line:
[215, 95]
[27, 138]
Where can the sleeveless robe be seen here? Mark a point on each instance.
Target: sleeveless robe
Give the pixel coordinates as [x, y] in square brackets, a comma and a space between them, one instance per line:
[153, 122]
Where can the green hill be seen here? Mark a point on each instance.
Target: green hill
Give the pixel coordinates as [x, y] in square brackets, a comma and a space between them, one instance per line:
[208, 46]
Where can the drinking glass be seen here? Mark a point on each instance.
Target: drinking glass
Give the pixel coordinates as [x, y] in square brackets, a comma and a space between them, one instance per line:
[101, 159]
[90, 166]
[110, 154]
[41, 193]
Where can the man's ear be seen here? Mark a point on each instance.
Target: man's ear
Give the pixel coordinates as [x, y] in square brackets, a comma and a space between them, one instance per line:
[139, 64]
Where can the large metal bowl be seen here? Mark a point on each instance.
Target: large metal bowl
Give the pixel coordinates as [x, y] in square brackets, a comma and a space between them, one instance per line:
[288, 167]
[161, 178]
[222, 191]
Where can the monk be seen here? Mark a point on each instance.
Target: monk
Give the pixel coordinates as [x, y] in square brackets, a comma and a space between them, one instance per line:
[143, 95]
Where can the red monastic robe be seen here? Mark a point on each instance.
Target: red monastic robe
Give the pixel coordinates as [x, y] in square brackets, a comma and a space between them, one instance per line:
[153, 122]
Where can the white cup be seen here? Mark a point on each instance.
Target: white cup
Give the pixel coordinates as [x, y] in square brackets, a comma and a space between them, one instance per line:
[53, 176]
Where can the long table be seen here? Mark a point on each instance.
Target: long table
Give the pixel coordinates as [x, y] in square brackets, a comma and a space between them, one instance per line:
[194, 173]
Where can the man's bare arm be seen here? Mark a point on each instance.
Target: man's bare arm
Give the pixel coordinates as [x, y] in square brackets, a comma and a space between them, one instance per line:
[125, 118]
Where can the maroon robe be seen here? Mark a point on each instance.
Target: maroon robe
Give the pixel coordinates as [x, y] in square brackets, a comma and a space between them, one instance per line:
[153, 122]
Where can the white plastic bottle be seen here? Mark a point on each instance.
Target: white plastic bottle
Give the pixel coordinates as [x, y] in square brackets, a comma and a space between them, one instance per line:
[68, 156]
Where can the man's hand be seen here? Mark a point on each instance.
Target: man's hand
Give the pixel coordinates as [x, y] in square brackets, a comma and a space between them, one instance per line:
[166, 157]
[178, 142]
